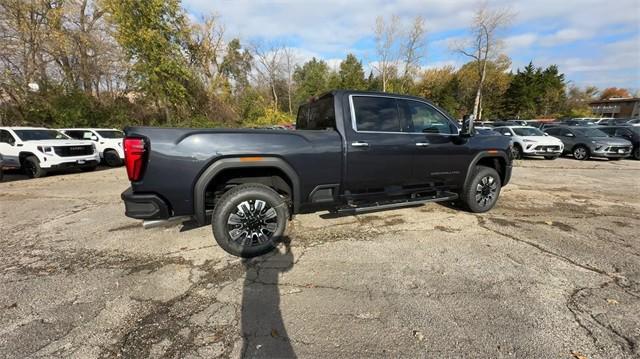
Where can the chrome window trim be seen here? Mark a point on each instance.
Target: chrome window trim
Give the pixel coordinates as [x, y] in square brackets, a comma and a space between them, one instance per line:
[354, 127]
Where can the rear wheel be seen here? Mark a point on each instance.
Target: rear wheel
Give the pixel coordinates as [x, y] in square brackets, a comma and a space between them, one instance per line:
[249, 220]
[636, 153]
[483, 190]
[111, 158]
[31, 167]
[581, 153]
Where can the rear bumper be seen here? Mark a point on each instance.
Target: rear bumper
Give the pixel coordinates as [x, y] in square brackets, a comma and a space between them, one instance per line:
[144, 206]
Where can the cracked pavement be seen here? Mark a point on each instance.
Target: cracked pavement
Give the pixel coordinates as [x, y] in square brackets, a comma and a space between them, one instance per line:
[552, 271]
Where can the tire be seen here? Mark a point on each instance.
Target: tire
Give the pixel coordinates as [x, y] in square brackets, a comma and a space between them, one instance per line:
[31, 167]
[111, 158]
[517, 152]
[88, 168]
[266, 224]
[636, 153]
[551, 158]
[581, 153]
[482, 191]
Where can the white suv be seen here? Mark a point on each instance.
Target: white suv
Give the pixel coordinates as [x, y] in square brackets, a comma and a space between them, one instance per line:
[108, 142]
[37, 150]
[530, 141]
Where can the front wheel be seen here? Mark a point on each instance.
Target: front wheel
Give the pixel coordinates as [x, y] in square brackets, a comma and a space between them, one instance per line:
[636, 153]
[517, 152]
[31, 166]
[581, 153]
[482, 191]
[249, 220]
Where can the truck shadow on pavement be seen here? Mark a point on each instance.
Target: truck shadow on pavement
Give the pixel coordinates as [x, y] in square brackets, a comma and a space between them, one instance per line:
[263, 331]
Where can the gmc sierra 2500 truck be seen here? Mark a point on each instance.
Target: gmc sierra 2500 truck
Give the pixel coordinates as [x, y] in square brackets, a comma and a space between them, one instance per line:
[351, 152]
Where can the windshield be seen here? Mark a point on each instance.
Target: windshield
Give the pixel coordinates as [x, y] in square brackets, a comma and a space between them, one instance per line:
[36, 135]
[111, 134]
[527, 131]
[590, 132]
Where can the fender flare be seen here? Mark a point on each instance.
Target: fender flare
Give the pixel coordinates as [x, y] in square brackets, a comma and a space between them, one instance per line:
[241, 162]
[481, 155]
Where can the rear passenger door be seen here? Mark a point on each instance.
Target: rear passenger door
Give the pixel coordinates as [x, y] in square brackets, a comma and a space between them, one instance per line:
[378, 149]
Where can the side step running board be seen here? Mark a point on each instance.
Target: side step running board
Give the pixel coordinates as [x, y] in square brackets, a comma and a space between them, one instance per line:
[379, 206]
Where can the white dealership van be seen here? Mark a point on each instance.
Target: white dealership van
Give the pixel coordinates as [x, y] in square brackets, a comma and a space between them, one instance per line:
[37, 150]
[108, 142]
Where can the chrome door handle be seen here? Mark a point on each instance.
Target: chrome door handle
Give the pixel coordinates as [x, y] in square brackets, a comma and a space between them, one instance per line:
[422, 144]
[359, 144]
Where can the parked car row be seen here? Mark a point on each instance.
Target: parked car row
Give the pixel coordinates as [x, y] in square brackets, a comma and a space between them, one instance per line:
[38, 150]
[582, 142]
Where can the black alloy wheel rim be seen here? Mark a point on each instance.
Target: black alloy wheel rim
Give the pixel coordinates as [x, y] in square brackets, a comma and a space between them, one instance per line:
[253, 223]
[486, 191]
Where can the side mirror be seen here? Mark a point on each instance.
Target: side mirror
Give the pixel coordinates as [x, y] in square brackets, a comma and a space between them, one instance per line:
[94, 138]
[569, 135]
[546, 134]
[467, 126]
[507, 133]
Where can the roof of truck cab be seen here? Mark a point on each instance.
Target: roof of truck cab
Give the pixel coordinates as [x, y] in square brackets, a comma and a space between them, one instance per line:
[378, 93]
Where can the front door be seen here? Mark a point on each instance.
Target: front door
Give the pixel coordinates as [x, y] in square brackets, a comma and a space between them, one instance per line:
[438, 159]
[378, 151]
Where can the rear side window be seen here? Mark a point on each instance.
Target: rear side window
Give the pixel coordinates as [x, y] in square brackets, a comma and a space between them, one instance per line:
[552, 131]
[79, 134]
[317, 115]
[379, 114]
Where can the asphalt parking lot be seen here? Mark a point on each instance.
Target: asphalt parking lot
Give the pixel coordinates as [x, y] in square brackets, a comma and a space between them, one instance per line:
[552, 271]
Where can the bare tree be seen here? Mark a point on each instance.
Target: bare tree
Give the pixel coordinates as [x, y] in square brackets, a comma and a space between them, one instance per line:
[289, 60]
[268, 66]
[386, 36]
[413, 51]
[206, 50]
[484, 44]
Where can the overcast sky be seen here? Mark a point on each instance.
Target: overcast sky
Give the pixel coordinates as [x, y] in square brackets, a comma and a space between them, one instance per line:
[593, 42]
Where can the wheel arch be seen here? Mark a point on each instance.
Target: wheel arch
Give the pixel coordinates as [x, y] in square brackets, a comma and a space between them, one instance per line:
[498, 161]
[24, 154]
[254, 169]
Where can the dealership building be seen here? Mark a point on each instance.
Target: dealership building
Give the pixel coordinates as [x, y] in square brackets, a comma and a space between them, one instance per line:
[617, 107]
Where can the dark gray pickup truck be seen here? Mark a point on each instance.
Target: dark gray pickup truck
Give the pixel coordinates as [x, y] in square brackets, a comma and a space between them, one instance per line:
[351, 152]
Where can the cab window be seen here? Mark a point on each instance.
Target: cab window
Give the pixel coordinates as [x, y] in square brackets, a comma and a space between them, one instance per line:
[423, 118]
[377, 114]
[317, 115]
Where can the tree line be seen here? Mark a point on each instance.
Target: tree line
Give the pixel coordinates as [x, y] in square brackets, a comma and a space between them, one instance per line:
[127, 62]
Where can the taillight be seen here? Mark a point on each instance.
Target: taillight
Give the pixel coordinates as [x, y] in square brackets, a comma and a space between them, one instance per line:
[134, 157]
